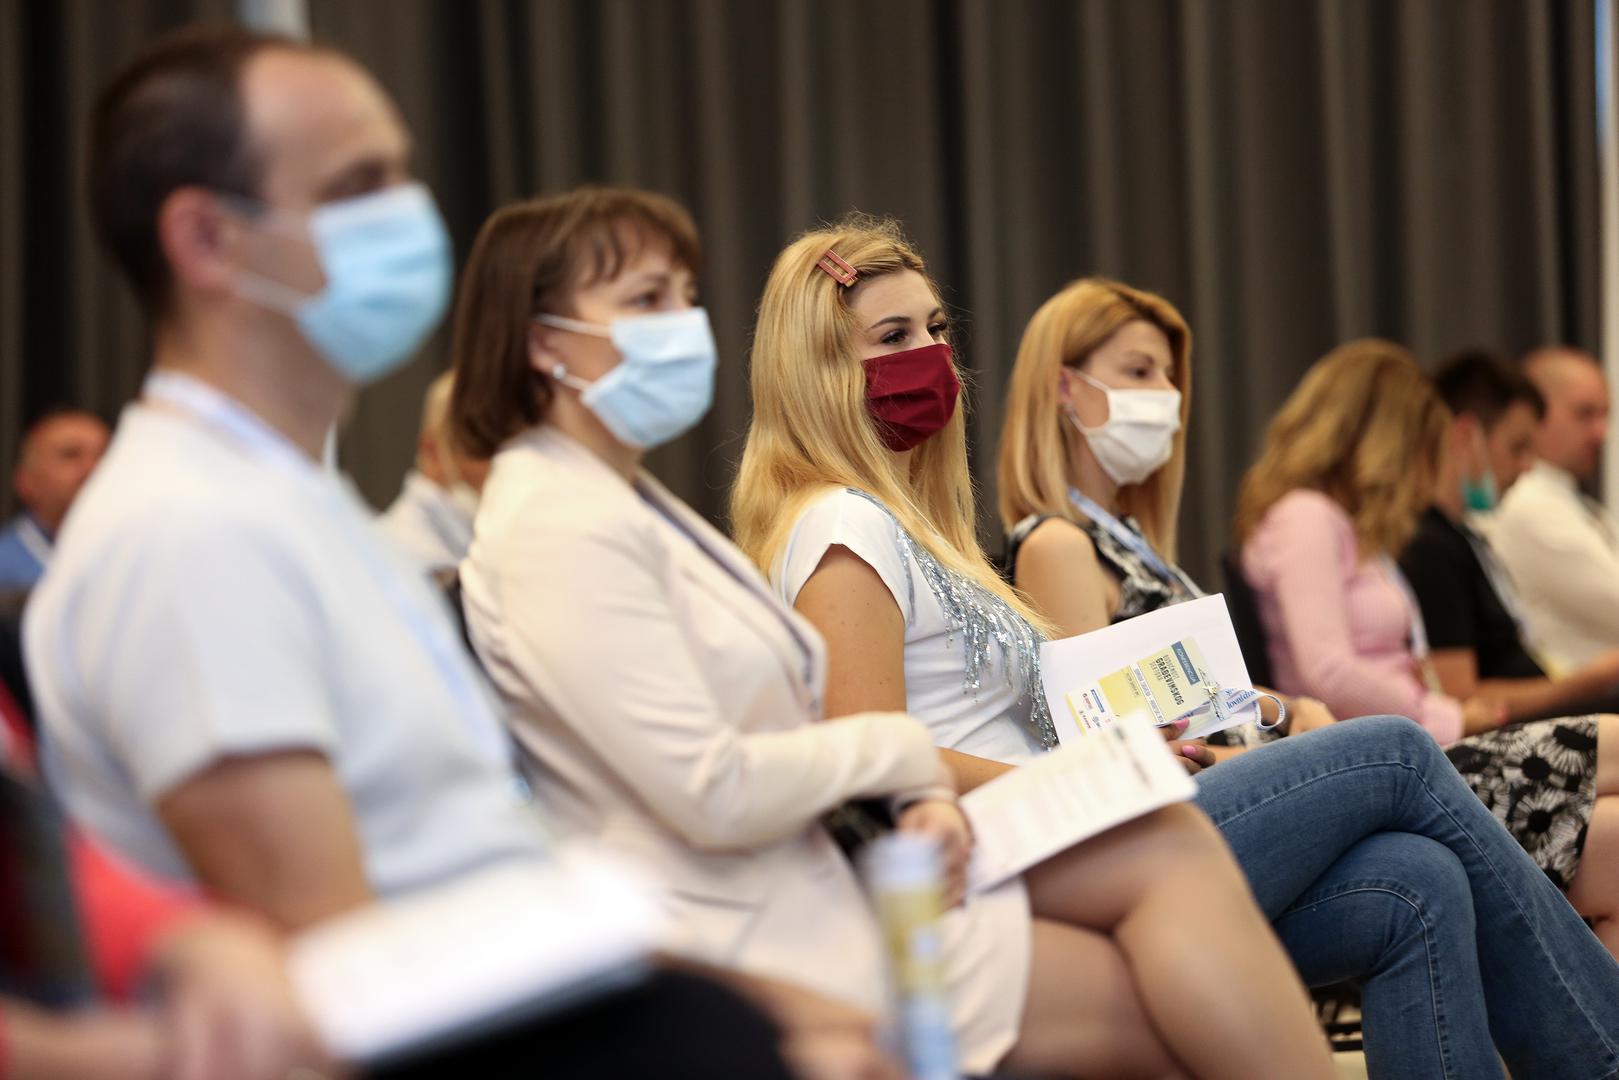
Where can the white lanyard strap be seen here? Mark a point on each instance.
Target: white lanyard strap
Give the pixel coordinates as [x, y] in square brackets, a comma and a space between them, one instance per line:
[34, 540]
[1419, 629]
[1499, 580]
[233, 421]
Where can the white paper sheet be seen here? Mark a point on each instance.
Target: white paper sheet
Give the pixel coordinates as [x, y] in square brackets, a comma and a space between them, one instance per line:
[1072, 667]
[1076, 791]
[503, 942]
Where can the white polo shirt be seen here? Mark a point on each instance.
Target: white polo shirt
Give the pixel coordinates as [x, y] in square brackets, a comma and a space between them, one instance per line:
[427, 524]
[214, 592]
[1562, 552]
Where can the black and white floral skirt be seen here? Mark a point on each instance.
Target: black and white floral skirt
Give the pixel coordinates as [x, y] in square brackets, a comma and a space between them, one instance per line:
[1539, 780]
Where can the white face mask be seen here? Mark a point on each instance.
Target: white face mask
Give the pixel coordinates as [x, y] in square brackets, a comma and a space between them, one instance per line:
[1139, 434]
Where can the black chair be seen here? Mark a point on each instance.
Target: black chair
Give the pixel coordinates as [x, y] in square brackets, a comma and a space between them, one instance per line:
[1244, 607]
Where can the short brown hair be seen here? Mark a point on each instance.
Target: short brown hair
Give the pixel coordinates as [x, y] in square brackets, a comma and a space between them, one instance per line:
[173, 117]
[528, 258]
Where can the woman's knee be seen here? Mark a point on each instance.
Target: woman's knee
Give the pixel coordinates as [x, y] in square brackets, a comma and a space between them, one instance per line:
[1084, 1014]
[1594, 892]
[1177, 834]
[1099, 882]
[1403, 887]
[1180, 839]
[1403, 734]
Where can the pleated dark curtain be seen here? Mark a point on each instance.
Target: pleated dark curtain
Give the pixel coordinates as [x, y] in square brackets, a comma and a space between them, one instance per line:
[1291, 173]
[69, 331]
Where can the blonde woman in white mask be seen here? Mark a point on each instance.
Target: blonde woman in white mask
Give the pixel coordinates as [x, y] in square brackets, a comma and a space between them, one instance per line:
[1093, 457]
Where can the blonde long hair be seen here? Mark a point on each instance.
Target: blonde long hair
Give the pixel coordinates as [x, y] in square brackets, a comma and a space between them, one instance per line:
[1068, 328]
[1366, 428]
[811, 430]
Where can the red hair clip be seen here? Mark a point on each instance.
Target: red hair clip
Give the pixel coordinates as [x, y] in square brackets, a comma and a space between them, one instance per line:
[838, 270]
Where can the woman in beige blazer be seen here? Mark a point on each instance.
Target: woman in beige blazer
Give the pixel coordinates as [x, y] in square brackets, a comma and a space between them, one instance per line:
[665, 701]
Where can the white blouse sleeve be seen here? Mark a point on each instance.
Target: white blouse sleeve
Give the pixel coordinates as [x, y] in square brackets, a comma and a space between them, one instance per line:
[846, 519]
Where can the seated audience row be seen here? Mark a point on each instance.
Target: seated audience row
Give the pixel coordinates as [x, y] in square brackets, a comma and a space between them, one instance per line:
[853, 496]
[243, 687]
[1350, 463]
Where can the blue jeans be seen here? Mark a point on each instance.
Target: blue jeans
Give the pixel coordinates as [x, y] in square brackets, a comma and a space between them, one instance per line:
[1378, 865]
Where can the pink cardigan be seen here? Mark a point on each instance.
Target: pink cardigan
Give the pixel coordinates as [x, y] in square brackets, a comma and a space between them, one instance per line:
[1338, 626]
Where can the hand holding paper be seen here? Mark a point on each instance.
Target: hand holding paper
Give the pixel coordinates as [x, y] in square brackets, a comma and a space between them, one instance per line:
[1178, 662]
[1068, 795]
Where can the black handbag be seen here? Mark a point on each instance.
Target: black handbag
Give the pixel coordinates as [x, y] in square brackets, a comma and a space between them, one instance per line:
[857, 823]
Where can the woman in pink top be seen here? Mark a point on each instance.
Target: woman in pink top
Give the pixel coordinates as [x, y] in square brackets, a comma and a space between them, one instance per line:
[1350, 462]
[1339, 623]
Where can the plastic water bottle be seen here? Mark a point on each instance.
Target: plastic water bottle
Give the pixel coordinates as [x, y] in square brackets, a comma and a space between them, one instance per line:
[907, 886]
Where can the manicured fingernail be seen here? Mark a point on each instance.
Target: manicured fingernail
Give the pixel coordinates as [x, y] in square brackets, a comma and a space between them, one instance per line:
[1189, 751]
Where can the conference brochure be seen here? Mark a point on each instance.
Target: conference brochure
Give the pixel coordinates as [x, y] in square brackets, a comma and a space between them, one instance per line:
[1177, 663]
[1110, 692]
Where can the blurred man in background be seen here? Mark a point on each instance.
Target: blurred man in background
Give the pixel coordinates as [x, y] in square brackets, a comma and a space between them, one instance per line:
[55, 459]
[1560, 545]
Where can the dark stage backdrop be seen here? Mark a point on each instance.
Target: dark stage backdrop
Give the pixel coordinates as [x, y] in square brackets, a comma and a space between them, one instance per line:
[1291, 173]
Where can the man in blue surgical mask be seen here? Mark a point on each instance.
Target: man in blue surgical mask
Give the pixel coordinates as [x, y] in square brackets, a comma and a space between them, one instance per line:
[240, 686]
[220, 593]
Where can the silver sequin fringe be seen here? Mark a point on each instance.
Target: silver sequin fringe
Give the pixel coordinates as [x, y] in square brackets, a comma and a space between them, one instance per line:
[984, 621]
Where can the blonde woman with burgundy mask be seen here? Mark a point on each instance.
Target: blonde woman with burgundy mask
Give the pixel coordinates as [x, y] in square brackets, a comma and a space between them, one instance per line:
[853, 495]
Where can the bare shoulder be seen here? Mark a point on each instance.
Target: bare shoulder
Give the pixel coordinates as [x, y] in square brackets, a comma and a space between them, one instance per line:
[1057, 541]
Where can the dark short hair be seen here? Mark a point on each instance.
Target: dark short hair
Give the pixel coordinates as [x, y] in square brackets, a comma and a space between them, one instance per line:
[1479, 383]
[528, 259]
[173, 117]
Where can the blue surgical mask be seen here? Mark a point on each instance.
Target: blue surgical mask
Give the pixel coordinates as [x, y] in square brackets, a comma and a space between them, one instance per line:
[663, 385]
[386, 257]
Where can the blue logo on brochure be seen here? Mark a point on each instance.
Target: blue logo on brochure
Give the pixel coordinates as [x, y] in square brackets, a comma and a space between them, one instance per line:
[1186, 663]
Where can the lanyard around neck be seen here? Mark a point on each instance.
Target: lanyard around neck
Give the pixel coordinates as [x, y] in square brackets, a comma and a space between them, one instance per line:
[227, 417]
[1499, 580]
[233, 421]
[1131, 541]
[1420, 649]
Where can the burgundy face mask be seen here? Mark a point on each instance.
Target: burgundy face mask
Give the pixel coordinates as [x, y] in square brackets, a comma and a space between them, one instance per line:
[911, 394]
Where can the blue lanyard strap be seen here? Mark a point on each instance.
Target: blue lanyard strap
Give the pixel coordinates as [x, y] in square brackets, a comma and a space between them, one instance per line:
[1130, 539]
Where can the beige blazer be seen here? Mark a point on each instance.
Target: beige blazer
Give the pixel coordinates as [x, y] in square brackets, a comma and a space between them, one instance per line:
[666, 703]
